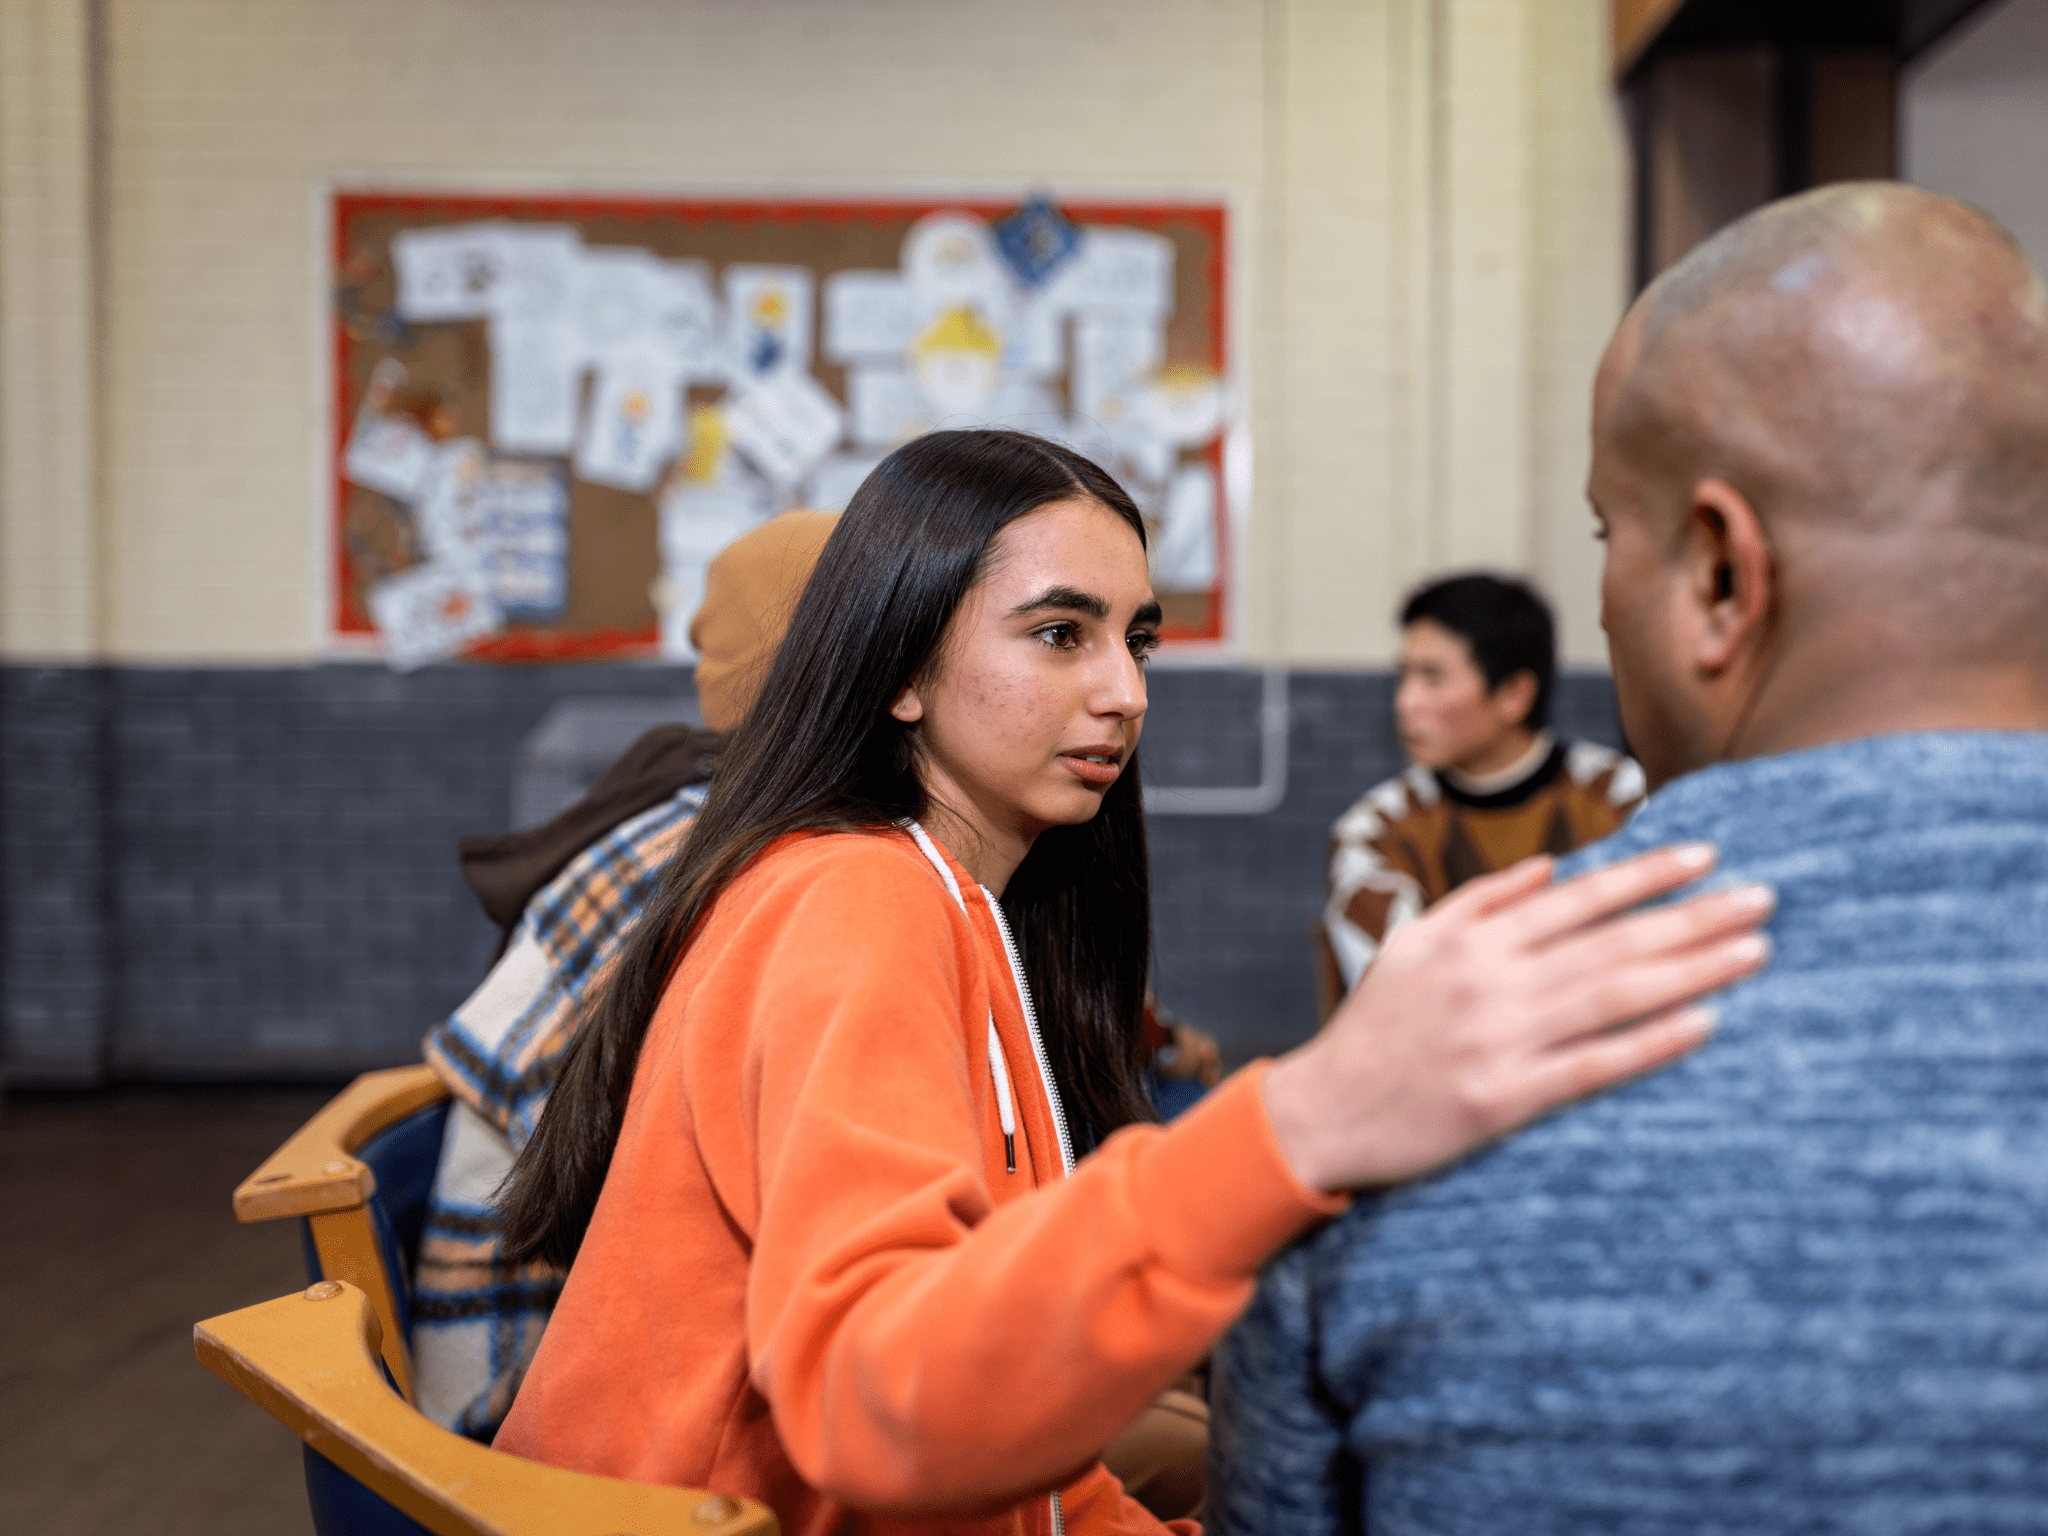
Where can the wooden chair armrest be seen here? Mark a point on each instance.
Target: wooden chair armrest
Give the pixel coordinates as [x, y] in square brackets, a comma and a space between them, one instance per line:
[309, 1360]
[316, 1170]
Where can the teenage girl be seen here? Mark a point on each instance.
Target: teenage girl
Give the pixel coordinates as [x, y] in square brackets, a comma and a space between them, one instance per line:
[814, 1158]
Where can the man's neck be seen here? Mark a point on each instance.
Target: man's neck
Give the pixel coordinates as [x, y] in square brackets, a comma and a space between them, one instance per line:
[1504, 768]
[1813, 709]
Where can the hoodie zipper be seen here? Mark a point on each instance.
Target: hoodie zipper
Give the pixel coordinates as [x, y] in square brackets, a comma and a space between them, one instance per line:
[997, 1070]
[1052, 1088]
[1052, 1094]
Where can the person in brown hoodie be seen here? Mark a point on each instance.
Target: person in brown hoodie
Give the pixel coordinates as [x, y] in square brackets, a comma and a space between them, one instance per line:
[815, 1156]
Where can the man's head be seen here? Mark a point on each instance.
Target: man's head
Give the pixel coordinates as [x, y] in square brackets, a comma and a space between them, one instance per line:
[1820, 461]
[1478, 660]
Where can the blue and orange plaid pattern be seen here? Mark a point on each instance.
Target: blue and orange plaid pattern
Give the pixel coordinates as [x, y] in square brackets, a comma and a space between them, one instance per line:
[476, 1319]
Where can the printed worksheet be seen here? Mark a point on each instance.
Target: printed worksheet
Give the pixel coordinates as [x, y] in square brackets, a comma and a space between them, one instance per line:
[683, 326]
[451, 505]
[957, 362]
[1035, 344]
[525, 538]
[538, 282]
[634, 425]
[869, 316]
[784, 423]
[1183, 406]
[697, 521]
[950, 259]
[768, 321]
[387, 452]
[450, 272]
[431, 612]
[1115, 353]
[536, 384]
[885, 406]
[1116, 269]
[617, 294]
[1184, 559]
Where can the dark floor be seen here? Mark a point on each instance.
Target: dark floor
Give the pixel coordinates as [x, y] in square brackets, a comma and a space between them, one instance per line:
[118, 1238]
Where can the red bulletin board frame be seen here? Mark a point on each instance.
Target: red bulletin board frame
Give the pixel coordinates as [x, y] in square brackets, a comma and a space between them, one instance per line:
[351, 627]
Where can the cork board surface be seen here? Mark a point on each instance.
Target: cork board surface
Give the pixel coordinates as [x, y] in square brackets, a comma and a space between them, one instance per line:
[614, 556]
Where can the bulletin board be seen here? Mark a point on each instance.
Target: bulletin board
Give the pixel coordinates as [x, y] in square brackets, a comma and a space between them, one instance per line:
[424, 378]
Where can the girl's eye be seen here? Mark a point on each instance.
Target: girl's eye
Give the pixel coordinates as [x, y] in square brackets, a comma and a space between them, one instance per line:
[1142, 642]
[1600, 533]
[1061, 637]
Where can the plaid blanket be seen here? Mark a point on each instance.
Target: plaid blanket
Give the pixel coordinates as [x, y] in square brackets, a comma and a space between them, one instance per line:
[476, 1319]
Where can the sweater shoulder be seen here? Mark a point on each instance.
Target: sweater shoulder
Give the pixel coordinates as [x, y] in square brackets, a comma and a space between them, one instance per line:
[884, 862]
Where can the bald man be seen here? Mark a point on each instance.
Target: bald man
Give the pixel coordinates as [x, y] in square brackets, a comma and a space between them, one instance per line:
[1800, 1281]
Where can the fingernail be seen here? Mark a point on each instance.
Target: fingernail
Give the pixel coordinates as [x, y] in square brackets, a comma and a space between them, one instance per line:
[1695, 855]
[1700, 1020]
[1753, 898]
[1752, 946]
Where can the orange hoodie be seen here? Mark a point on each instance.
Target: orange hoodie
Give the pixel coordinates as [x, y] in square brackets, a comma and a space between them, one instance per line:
[811, 1278]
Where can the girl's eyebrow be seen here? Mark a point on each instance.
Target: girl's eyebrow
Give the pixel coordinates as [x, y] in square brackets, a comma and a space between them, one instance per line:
[1074, 600]
[1066, 597]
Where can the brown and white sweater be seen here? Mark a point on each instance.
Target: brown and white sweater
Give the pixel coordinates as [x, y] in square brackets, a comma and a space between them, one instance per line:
[1417, 837]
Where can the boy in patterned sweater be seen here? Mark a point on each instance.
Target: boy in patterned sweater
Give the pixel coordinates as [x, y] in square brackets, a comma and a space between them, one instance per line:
[1488, 785]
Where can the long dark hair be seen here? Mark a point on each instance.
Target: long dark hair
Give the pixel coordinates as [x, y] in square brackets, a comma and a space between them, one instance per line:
[820, 750]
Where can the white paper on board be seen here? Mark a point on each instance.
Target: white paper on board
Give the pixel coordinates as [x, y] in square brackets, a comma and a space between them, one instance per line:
[949, 259]
[1034, 346]
[431, 612]
[1143, 453]
[1114, 353]
[885, 406]
[868, 316]
[538, 284]
[683, 320]
[387, 453]
[696, 522]
[1185, 559]
[1116, 269]
[831, 485]
[617, 295]
[784, 424]
[957, 362]
[1183, 406]
[450, 272]
[525, 538]
[1019, 405]
[634, 424]
[768, 321]
[451, 505]
[536, 385]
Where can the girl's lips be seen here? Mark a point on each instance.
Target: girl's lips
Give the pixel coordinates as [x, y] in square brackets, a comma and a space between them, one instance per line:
[1088, 771]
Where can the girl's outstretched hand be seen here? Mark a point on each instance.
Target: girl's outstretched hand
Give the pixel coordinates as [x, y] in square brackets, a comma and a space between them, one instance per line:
[1501, 1002]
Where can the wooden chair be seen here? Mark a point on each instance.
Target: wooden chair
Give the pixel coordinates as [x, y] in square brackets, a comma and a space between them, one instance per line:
[333, 1363]
[358, 1173]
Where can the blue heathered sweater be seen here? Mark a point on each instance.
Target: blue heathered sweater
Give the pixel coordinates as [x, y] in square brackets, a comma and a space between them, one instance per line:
[1798, 1283]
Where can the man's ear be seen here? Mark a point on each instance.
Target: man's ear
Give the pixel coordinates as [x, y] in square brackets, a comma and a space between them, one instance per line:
[1515, 697]
[1729, 573]
[908, 707]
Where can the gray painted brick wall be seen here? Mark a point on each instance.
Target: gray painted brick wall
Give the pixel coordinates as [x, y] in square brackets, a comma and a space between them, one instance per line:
[250, 873]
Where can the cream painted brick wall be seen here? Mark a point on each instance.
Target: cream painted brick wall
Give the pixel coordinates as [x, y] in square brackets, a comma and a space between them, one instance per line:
[48, 537]
[1328, 124]
[1579, 285]
[228, 115]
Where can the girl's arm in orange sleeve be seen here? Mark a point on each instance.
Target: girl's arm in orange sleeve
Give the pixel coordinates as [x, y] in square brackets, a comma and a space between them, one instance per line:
[921, 1349]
